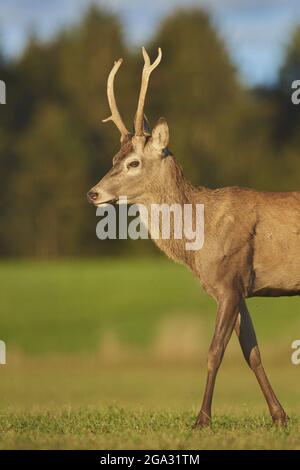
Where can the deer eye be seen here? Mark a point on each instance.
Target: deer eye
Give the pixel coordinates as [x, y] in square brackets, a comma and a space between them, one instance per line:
[134, 164]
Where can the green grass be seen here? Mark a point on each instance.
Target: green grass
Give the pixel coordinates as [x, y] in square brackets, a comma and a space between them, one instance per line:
[67, 306]
[116, 428]
[112, 354]
[68, 402]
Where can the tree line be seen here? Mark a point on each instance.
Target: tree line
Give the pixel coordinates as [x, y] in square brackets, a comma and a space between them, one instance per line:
[53, 146]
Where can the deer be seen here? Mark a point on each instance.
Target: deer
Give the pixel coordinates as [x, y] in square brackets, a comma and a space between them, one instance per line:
[252, 238]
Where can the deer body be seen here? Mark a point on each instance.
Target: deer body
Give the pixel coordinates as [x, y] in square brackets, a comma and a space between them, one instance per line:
[248, 242]
[247, 238]
[251, 245]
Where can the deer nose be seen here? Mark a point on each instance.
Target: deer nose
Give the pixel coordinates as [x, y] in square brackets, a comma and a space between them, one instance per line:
[92, 196]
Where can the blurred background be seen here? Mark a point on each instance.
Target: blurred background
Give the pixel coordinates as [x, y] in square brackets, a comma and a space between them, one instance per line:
[74, 309]
[224, 86]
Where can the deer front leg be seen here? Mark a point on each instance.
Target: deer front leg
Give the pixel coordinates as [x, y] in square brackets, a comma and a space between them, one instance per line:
[247, 338]
[228, 309]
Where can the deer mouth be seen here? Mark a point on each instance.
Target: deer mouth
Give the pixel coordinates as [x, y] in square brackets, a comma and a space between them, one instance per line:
[109, 201]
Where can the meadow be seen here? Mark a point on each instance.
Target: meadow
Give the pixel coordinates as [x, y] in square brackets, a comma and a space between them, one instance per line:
[112, 354]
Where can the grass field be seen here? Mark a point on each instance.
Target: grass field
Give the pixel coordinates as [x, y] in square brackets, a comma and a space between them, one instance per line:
[112, 354]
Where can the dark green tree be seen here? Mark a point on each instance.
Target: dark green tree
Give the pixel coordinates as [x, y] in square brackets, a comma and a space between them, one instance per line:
[211, 115]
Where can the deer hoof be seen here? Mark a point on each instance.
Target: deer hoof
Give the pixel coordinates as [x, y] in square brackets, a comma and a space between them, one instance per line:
[202, 421]
[280, 418]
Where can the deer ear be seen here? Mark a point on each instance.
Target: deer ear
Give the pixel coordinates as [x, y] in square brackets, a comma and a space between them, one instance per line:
[160, 135]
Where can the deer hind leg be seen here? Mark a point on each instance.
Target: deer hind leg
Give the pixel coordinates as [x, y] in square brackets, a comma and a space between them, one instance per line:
[248, 342]
[228, 309]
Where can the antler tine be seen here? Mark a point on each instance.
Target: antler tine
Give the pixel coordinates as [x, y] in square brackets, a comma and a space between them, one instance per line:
[147, 70]
[115, 114]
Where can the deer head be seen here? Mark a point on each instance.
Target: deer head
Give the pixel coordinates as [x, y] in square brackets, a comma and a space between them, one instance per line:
[139, 164]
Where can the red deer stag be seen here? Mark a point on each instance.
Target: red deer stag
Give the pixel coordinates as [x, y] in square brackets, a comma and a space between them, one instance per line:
[252, 238]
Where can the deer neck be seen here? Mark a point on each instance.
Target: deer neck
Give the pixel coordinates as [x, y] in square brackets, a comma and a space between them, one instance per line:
[171, 186]
[171, 189]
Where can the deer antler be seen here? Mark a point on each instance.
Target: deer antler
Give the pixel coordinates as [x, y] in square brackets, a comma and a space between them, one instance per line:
[115, 114]
[148, 68]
